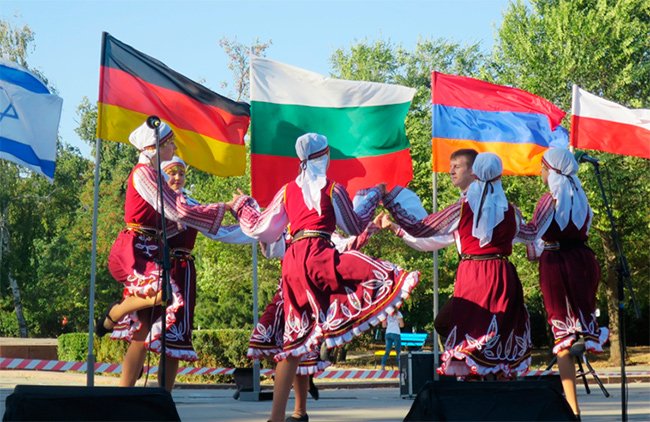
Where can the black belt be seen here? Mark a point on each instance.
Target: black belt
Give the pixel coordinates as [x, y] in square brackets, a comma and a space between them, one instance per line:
[182, 254]
[306, 234]
[486, 257]
[564, 244]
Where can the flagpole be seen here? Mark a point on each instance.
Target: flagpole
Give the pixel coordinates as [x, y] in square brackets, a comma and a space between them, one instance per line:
[90, 360]
[256, 362]
[434, 190]
[434, 337]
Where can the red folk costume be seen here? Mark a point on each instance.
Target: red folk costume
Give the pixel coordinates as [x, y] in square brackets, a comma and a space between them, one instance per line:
[326, 294]
[568, 270]
[267, 337]
[485, 323]
[183, 272]
[135, 252]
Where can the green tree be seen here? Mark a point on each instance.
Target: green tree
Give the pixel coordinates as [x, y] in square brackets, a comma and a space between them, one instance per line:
[383, 61]
[224, 272]
[35, 216]
[602, 46]
[116, 161]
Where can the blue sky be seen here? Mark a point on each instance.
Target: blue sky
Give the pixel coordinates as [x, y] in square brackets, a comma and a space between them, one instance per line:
[185, 34]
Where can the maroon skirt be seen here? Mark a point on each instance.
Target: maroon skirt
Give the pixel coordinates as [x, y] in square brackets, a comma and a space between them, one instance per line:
[569, 281]
[485, 324]
[132, 262]
[335, 296]
[179, 334]
[267, 338]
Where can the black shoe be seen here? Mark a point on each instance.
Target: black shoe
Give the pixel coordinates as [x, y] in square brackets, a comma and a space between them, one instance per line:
[292, 418]
[100, 330]
[313, 390]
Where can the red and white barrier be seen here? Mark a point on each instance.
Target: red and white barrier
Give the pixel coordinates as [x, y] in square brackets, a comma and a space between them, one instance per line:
[342, 374]
[112, 368]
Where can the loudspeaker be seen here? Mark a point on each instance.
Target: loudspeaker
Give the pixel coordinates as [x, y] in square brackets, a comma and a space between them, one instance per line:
[531, 400]
[415, 370]
[66, 403]
[244, 383]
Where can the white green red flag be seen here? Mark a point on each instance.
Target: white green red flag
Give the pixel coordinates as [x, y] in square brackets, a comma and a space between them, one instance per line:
[363, 122]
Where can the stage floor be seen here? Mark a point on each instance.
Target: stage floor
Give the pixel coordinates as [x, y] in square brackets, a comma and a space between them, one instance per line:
[366, 404]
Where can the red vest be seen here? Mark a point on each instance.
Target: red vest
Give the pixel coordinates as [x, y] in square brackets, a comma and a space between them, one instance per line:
[301, 218]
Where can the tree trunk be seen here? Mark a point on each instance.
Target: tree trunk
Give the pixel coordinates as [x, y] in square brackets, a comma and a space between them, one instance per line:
[611, 263]
[22, 325]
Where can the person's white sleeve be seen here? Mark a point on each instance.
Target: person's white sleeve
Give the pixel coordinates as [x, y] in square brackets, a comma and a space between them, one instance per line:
[275, 249]
[266, 226]
[427, 244]
[230, 234]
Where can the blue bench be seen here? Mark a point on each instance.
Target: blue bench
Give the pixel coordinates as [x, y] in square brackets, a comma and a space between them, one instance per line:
[412, 341]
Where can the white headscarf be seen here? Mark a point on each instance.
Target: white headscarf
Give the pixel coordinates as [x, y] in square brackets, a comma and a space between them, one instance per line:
[566, 189]
[175, 161]
[312, 150]
[166, 165]
[485, 196]
[144, 136]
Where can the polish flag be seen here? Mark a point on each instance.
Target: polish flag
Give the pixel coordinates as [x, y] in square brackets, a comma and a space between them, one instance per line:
[606, 126]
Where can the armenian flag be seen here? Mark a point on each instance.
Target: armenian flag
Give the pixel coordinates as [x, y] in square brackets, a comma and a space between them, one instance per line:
[512, 123]
[363, 122]
[209, 128]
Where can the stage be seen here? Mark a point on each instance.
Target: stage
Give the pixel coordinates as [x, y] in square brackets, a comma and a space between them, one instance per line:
[354, 404]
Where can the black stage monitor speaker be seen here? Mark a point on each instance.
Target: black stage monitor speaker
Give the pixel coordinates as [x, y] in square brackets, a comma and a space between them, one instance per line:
[531, 400]
[415, 370]
[66, 403]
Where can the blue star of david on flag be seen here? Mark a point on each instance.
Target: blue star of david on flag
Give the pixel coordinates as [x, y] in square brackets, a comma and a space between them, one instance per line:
[29, 120]
[9, 112]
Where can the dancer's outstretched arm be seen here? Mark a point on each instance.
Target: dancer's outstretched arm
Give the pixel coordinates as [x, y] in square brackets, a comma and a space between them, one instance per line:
[266, 226]
[354, 218]
[441, 223]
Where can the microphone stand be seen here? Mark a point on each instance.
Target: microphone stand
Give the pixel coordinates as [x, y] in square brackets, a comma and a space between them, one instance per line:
[623, 271]
[154, 123]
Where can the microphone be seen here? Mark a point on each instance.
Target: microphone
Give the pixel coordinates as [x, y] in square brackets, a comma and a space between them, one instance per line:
[582, 157]
[153, 122]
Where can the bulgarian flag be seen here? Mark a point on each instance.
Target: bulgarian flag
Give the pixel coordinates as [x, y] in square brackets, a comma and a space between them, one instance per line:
[606, 126]
[363, 122]
[209, 128]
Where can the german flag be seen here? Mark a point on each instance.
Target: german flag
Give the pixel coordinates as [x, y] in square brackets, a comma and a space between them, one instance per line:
[209, 128]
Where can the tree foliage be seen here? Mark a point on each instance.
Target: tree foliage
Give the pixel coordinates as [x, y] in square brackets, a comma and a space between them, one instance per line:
[543, 46]
[602, 46]
[381, 61]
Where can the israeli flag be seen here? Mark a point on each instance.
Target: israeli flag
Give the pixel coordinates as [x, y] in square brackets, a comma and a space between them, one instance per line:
[29, 120]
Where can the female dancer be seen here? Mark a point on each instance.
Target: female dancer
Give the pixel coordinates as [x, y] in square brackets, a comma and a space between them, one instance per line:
[326, 294]
[133, 260]
[485, 324]
[267, 337]
[568, 270]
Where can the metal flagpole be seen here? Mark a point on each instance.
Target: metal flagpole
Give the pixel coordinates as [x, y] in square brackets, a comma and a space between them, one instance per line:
[436, 351]
[256, 362]
[256, 393]
[434, 182]
[90, 360]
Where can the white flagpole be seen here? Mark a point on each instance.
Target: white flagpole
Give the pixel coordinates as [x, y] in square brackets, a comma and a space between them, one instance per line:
[90, 360]
[434, 182]
[256, 362]
[436, 352]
